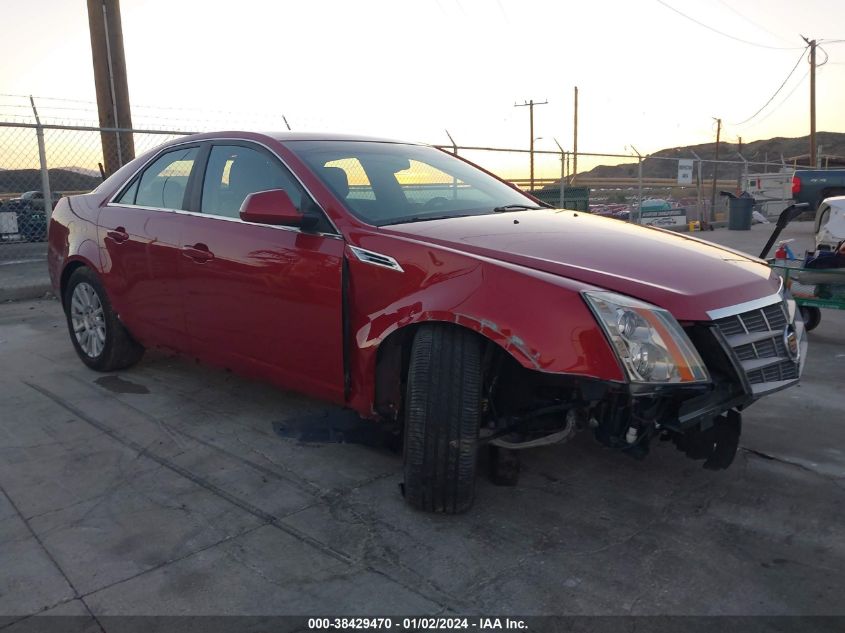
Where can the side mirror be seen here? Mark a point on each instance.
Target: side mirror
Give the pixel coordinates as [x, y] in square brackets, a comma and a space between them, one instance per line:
[273, 206]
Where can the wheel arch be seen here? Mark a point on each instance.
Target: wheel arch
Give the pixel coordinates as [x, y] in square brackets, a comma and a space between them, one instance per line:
[70, 267]
[393, 358]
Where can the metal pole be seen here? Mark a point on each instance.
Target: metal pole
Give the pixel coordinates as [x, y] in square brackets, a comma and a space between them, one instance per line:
[451, 140]
[639, 187]
[531, 146]
[530, 104]
[42, 159]
[743, 179]
[710, 215]
[562, 173]
[698, 199]
[454, 178]
[575, 137]
[564, 160]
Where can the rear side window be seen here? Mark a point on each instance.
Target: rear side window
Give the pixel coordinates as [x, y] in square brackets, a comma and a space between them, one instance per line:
[128, 196]
[164, 182]
[235, 171]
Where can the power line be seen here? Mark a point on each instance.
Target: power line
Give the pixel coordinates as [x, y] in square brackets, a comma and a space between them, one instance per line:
[826, 56]
[784, 100]
[772, 98]
[733, 37]
[751, 21]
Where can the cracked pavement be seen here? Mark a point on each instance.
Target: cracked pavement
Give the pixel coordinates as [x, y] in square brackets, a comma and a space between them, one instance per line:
[167, 492]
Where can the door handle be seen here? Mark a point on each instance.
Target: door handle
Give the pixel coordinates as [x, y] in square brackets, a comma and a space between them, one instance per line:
[198, 252]
[119, 235]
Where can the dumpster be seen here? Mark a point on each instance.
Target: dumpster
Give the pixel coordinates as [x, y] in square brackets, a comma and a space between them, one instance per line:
[739, 210]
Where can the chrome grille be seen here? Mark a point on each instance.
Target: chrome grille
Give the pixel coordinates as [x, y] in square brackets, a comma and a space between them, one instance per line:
[757, 340]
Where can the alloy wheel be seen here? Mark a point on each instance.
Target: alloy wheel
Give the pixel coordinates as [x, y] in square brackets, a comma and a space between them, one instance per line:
[88, 320]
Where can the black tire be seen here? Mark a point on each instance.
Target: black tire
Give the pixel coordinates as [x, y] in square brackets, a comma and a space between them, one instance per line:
[812, 317]
[442, 418]
[120, 349]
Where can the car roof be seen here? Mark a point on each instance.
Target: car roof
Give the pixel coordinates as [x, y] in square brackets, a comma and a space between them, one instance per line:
[286, 137]
[330, 136]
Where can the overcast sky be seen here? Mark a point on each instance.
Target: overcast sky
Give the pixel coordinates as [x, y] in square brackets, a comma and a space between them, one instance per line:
[648, 77]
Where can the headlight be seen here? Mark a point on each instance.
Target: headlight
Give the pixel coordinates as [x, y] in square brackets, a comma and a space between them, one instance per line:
[648, 340]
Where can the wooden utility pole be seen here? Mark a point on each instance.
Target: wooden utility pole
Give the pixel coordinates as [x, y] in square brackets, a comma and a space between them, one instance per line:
[531, 105]
[813, 155]
[575, 138]
[711, 215]
[110, 82]
[813, 149]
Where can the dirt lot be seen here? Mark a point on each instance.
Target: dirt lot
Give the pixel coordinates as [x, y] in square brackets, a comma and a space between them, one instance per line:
[165, 490]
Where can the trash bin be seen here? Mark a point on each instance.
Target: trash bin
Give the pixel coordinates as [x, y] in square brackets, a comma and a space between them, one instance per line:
[739, 213]
[739, 210]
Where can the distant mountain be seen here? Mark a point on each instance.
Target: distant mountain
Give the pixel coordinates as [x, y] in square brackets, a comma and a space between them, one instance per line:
[84, 170]
[61, 180]
[832, 144]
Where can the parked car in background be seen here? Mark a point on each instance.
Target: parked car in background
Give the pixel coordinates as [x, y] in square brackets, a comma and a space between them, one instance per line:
[31, 200]
[25, 217]
[813, 186]
[411, 287]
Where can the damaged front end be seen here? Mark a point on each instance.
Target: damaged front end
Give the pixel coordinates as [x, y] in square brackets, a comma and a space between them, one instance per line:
[746, 351]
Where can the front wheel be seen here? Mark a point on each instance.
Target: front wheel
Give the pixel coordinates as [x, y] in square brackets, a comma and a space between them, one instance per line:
[97, 334]
[812, 317]
[442, 418]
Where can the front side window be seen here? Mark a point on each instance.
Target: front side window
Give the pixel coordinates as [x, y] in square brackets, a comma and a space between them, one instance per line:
[235, 171]
[164, 183]
[391, 183]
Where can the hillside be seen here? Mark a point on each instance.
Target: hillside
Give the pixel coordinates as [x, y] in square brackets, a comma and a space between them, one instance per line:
[831, 143]
[20, 180]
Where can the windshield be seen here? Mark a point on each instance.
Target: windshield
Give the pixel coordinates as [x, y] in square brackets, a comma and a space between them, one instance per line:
[392, 183]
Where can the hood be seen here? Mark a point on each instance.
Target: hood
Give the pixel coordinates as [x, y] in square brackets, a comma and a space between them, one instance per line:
[682, 274]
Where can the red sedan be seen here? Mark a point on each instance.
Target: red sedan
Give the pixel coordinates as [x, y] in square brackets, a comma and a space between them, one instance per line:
[411, 287]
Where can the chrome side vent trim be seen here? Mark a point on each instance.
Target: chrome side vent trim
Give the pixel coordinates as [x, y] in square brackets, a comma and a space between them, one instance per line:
[376, 259]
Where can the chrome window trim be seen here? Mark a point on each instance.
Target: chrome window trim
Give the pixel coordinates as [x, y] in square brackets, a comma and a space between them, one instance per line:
[228, 219]
[754, 304]
[126, 183]
[376, 259]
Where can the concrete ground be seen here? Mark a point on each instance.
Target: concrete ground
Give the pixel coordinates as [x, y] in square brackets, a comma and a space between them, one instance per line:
[164, 490]
[23, 271]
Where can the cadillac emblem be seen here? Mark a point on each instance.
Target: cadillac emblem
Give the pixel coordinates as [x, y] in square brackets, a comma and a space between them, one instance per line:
[790, 341]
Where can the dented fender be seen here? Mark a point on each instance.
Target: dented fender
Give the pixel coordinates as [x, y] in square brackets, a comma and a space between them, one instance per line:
[538, 318]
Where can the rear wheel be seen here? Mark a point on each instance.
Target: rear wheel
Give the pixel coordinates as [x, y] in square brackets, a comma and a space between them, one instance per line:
[442, 418]
[100, 339]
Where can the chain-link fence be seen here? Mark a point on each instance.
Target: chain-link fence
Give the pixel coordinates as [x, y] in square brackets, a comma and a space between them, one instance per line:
[41, 163]
[658, 190]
